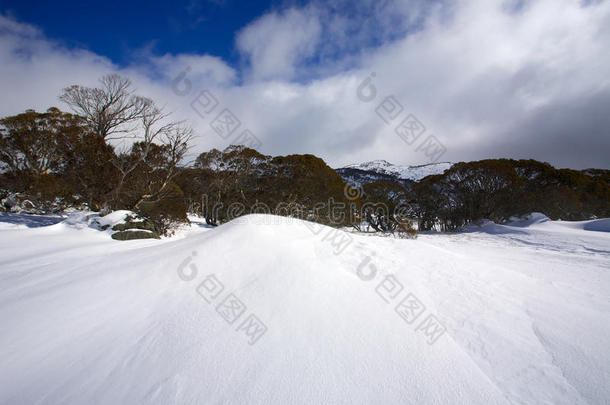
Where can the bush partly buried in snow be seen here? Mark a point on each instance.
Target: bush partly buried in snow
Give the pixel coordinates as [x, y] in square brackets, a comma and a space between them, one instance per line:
[406, 230]
[166, 215]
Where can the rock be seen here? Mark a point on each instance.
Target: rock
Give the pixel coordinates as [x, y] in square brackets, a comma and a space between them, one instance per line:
[132, 234]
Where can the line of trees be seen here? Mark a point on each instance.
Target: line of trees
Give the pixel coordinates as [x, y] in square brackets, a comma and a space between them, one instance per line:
[304, 186]
[498, 189]
[119, 150]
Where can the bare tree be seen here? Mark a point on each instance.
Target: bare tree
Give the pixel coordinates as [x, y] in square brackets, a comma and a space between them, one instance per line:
[114, 113]
[154, 128]
[176, 140]
[111, 110]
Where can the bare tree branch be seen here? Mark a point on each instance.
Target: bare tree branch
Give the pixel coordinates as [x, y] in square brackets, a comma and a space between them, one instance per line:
[111, 109]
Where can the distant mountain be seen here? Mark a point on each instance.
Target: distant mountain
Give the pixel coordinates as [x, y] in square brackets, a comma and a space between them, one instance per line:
[382, 170]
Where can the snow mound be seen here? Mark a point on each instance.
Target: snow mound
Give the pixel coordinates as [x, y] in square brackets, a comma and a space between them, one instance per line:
[539, 221]
[80, 219]
[275, 310]
[94, 220]
[492, 228]
[529, 220]
[132, 327]
[598, 225]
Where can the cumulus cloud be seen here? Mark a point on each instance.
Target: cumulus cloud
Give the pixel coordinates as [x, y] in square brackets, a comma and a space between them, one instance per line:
[34, 70]
[494, 78]
[276, 43]
[206, 70]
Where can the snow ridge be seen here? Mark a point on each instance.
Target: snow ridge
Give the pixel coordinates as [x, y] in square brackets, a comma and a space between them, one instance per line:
[414, 173]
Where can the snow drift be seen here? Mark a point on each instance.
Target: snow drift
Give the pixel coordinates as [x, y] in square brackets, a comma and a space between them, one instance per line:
[89, 320]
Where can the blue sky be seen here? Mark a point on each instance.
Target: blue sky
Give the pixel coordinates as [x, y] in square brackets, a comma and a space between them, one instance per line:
[486, 78]
[180, 26]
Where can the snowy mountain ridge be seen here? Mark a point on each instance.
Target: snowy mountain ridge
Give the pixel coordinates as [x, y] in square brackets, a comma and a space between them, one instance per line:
[414, 173]
[382, 170]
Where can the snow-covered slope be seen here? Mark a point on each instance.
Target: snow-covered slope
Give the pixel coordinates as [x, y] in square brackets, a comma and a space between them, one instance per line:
[381, 170]
[86, 319]
[414, 173]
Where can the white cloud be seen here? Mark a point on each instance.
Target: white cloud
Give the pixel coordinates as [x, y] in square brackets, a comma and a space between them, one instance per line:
[34, 70]
[204, 69]
[276, 43]
[488, 78]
